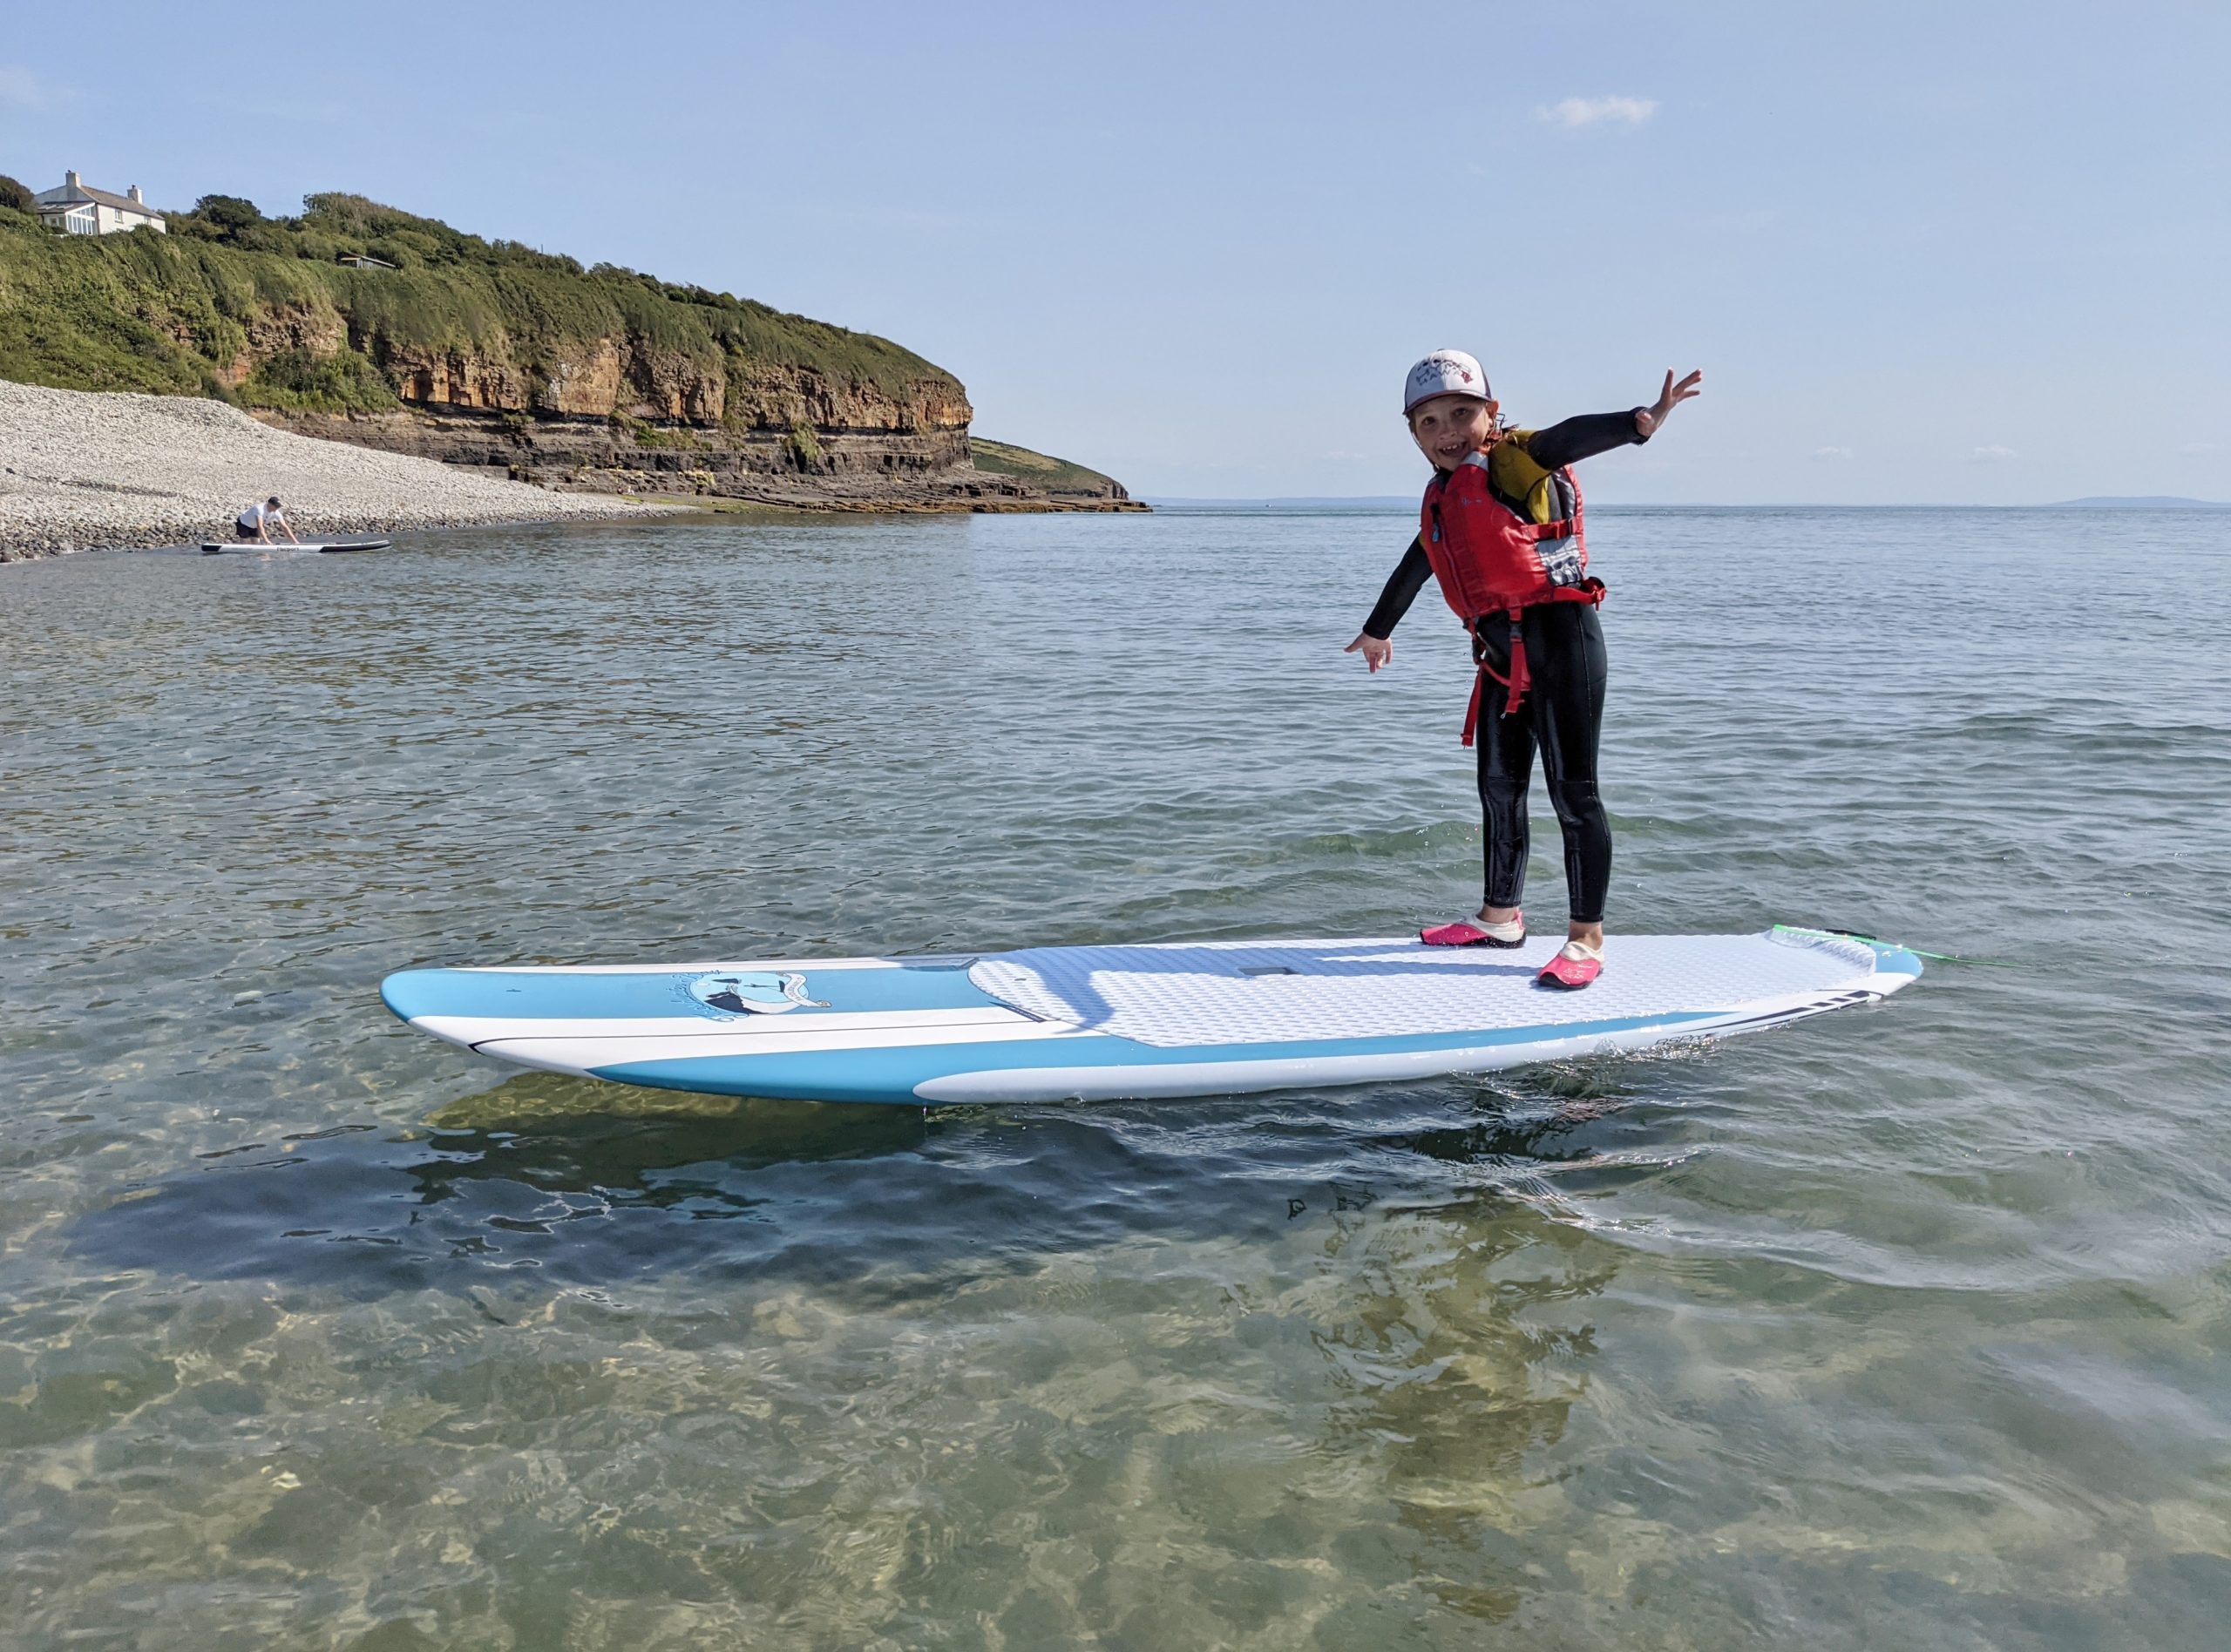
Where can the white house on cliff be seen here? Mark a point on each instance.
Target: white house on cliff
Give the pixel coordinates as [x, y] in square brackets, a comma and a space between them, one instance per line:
[77, 210]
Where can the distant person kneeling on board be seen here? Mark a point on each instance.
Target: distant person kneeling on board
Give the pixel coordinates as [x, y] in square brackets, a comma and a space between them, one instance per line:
[1501, 530]
[254, 522]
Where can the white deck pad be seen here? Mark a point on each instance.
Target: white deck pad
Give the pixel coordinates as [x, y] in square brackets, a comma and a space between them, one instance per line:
[1218, 992]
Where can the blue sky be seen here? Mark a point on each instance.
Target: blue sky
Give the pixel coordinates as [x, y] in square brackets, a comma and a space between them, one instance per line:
[1926, 253]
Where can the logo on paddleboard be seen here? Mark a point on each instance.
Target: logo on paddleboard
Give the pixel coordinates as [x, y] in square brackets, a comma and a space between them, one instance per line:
[753, 992]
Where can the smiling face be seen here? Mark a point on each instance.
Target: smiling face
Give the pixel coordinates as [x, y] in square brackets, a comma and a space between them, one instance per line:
[1448, 429]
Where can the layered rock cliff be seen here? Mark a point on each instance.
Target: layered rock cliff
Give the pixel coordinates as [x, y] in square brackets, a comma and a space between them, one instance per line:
[359, 323]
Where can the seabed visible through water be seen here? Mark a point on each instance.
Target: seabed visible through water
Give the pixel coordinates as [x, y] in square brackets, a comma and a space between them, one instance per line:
[1901, 1327]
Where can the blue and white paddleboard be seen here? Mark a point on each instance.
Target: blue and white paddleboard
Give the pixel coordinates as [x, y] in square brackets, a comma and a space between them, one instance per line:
[256, 547]
[1103, 1023]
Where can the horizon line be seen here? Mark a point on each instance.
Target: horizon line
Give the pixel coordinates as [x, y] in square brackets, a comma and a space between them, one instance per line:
[1403, 501]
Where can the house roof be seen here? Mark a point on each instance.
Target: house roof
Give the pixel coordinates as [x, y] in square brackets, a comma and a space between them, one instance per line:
[83, 194]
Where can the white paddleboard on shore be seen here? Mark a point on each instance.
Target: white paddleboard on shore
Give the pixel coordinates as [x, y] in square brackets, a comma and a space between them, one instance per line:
[1103, 1023]
[241, 547]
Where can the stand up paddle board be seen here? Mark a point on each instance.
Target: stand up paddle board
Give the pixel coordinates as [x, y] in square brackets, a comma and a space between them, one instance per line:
[241, 547]
[1103, 1023]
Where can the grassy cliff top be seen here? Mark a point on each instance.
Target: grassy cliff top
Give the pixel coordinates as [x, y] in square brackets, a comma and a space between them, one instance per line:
[1039, 470]
[144, 311]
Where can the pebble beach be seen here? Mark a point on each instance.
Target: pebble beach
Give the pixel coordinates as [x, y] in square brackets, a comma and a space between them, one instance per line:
[83, 470]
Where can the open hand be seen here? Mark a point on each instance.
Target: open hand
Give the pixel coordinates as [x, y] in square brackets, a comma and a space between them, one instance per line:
[1648, 419]
[1376, 651]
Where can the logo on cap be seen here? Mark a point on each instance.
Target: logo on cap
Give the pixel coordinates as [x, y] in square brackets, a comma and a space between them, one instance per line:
[1444, 373]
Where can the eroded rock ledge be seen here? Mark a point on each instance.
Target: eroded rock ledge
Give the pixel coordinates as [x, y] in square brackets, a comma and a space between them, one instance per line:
[909, 463]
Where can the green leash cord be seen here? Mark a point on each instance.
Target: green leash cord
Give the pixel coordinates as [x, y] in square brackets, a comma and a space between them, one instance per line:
[1940, 957]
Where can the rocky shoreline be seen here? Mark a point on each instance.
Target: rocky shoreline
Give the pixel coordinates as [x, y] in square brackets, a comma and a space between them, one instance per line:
[864, 467]
[83, 470]
[87, 469]
[408, 340]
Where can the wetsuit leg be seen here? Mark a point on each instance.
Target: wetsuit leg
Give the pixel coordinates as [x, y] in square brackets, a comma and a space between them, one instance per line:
[1505, 747]
[1564, 655]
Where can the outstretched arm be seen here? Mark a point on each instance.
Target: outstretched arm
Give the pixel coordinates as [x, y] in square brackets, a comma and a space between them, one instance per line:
[1569, 441]
[1401, 590]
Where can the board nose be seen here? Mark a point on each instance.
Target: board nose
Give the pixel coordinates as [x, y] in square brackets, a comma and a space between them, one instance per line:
[411, 994]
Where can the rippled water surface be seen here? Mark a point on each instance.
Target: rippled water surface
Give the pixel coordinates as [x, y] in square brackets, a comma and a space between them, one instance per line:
[1903, 1327]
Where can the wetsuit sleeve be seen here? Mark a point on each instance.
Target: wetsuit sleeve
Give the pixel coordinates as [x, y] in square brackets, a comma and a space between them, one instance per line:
[1402, 588]
[1569, 441]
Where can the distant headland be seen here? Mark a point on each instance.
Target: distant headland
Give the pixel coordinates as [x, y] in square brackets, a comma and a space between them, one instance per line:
[360, 323]
[2141, 502]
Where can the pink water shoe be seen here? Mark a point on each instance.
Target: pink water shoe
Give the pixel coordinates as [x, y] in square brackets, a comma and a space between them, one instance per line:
[1576, 964]
[1474, 932]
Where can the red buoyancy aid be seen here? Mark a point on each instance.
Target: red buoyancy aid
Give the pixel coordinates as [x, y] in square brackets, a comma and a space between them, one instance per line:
[1489, 559]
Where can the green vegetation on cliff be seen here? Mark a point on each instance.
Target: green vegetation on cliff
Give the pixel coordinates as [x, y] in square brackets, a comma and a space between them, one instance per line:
[1039, 470]
[231, 303]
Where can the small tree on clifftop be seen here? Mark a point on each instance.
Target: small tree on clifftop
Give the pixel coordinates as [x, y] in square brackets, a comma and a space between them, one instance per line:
[228, 214]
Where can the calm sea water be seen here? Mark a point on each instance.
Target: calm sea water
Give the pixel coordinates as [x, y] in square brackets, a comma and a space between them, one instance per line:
[1904, 1327]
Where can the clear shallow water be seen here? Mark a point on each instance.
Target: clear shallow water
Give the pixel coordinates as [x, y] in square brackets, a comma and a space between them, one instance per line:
[1903, 1327]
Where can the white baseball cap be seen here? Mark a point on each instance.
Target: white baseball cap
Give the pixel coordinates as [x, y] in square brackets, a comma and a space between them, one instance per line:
[1444, 373]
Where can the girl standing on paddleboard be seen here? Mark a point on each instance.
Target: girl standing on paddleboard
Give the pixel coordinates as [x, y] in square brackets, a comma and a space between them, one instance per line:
[1501, 530]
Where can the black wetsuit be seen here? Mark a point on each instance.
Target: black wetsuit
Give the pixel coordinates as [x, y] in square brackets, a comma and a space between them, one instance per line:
[1561, 713]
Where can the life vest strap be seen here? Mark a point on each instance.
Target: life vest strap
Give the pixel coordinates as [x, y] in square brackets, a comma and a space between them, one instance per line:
[1520, 678]
[1491, 559]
